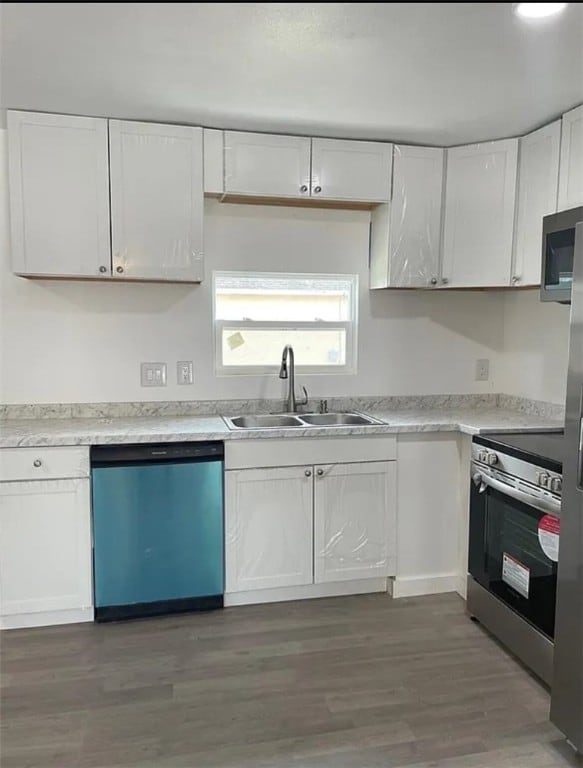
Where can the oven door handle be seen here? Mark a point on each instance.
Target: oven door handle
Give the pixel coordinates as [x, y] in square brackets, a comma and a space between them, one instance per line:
[549, 505]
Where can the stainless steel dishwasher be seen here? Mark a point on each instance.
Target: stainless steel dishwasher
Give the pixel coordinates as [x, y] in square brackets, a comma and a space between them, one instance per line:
[158, 529]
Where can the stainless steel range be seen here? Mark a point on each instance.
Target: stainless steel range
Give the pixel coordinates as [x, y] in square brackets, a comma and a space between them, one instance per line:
[515, 508]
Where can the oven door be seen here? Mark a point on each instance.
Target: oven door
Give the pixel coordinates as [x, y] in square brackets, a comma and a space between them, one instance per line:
[514, 550]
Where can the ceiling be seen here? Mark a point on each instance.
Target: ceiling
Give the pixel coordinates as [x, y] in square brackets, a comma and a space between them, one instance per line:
[434, 73]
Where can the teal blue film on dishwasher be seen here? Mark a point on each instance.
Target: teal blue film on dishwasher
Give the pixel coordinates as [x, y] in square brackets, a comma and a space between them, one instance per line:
[157, 532]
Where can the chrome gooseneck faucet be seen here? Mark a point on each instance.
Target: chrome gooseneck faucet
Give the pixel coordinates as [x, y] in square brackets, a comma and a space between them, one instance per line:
[291, 403]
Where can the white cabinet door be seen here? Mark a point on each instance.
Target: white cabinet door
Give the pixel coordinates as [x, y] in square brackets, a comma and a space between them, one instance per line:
[59, 195]
[156, 201]
[269, 537]
[267, 165]
[538, 178]
[351, 170]
[571, 168]
[354, 521]
[45, 546]
[479, 214]
[415, 221]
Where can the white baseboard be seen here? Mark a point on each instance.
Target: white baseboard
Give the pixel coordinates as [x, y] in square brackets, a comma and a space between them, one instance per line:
[282, 594]
[46, 618]
[424, 585]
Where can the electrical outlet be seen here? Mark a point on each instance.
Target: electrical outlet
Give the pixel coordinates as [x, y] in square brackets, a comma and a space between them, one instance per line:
[482, 370]
[153, 374]
[184, 372]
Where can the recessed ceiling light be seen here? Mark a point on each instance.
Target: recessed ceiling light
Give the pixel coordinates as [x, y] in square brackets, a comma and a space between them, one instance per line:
[538, 10]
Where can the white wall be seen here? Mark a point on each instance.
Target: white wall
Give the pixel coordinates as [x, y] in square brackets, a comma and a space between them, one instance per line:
[536, 348]
[66, 341]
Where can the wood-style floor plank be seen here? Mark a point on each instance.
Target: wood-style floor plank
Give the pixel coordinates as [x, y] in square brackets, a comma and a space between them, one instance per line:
[349, 682]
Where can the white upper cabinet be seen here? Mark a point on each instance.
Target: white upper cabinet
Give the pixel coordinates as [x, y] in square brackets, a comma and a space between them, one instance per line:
[359, 171]
[267, 165]
[571, 168]
[538, 178]
[479, 214]
[406, 234]
[415, 226]
[268, 521]
[59, 195]
[156, 201]
[214, 170]
[354, 521]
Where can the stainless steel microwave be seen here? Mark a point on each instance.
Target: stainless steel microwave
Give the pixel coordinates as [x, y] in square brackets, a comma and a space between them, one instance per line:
[557, 257]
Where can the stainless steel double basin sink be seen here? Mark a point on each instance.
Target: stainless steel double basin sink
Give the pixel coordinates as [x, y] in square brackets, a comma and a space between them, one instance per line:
[304, 420]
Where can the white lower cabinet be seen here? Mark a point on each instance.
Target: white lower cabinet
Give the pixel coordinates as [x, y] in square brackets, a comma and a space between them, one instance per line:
[302, 525]
[354, 521]
[433, 502]
[268, 521]
[45, 549]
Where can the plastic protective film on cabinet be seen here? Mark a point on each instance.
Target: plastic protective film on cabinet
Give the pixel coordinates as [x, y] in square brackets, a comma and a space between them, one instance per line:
[406, 232]
[415, 222]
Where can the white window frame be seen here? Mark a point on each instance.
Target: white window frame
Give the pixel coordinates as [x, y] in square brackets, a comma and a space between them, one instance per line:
[350, 326]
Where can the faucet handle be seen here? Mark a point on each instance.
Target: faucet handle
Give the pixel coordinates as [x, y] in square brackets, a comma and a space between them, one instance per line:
[305, 400]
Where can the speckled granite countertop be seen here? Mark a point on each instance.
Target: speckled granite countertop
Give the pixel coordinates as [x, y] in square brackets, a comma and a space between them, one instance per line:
[164, 429]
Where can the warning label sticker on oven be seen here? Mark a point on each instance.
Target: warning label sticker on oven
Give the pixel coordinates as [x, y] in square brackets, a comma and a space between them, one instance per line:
[548, 536]
[515, 574]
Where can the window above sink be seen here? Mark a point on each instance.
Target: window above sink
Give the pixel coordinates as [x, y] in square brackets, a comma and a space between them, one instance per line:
[257, 314]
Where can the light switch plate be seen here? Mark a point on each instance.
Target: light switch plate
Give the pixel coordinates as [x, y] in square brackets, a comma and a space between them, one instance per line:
[153, 374]
[482, 370]
[184, 372]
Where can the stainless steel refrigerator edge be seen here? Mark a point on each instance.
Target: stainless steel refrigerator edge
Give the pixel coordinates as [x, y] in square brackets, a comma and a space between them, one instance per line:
[567, 689]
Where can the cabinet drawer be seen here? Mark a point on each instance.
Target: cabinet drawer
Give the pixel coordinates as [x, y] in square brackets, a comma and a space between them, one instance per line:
[43, 463]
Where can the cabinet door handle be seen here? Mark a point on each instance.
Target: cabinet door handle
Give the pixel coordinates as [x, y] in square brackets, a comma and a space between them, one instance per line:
[103, 269]
[304, 188]
[317, 190]
[119, 270]
[308, 473]
[515, 279]
[37, 463]
[445, 280]
[433, 281]
[320, 472]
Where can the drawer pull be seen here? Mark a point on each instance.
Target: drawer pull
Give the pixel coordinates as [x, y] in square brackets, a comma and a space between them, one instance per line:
[37, 463]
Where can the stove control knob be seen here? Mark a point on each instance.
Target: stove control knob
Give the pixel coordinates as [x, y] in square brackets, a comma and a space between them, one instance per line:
[492, 459]
[556, 485]
[543, 479]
